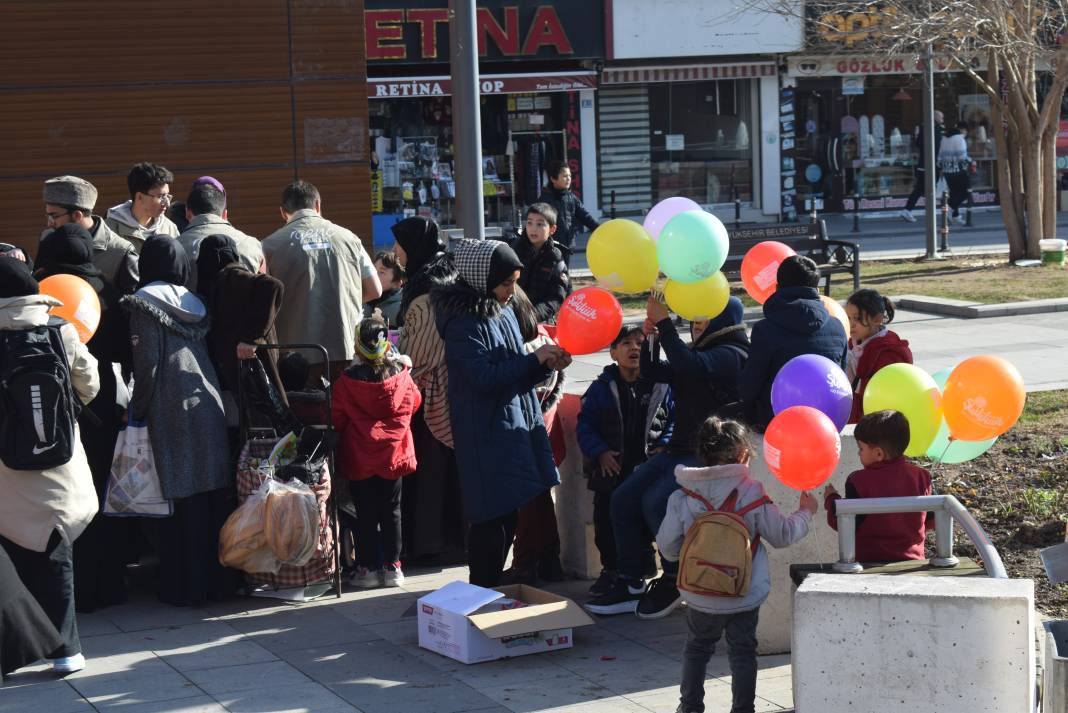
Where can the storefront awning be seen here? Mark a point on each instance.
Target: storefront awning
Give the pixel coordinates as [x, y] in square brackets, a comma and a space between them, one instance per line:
[401, 87]
[687, 73]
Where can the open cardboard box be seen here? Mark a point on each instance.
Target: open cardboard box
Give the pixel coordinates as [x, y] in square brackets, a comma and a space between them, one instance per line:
[449, 625]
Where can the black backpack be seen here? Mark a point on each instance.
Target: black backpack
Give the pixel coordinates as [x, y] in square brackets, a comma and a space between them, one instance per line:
[38, 407]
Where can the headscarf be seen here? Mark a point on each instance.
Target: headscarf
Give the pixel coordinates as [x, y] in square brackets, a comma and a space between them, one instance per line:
[216, 252]
[15, 279]
[68, 250]
[421, 240]
[163, 259]
[484, 264]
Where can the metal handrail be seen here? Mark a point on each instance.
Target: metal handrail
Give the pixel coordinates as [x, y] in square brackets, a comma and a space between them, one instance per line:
[946, 509]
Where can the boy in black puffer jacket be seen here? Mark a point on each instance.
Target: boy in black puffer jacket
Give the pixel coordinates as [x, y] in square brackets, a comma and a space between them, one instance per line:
[571, 215]
[795, 323]
[704, 380]
[544, 277]
[624, 419]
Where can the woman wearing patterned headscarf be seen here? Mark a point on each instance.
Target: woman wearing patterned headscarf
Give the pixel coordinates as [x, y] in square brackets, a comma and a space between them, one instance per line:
[502, 448]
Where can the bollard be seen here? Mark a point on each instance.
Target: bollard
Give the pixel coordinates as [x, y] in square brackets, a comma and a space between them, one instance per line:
[737, 210]
[944, 246]
[612, 205]
[813, 216]
[856, 213]
[968, 214]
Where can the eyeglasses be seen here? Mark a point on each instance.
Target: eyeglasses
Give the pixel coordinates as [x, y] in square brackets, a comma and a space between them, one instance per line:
[53, 217]
[164, 198]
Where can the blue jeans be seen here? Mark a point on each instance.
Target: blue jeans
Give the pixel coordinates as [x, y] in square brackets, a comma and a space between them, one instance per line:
[638, 506]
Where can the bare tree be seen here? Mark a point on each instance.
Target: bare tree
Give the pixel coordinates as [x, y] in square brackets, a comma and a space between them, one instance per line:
[1022, 45]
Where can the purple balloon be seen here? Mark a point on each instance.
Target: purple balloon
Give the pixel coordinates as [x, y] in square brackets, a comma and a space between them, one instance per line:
[664, 211]
[816, 381]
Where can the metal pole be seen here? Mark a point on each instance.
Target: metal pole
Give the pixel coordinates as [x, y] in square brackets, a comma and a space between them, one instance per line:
[466, 119]
[856, 212]
[929, 155]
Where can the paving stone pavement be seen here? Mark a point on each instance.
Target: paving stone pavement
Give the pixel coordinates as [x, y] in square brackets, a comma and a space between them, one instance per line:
[359, 653]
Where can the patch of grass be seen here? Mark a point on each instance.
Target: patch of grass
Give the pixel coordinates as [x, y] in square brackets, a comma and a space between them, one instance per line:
[1046, 408]
[1044, 503]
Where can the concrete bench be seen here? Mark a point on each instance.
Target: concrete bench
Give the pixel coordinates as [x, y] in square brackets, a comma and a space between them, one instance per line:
[574, 512]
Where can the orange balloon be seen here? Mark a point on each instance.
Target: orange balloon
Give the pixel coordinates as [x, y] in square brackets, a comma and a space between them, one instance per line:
[81, 306]
[802, 447]
[983, 398]
[759, 268]
[589, 320]
[837, 311]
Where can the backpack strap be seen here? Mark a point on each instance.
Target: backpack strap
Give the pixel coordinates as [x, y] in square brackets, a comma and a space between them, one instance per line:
[697, 496]
[762, 500]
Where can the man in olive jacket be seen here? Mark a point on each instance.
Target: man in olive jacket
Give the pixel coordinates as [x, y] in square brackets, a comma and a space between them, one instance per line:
[327, 275]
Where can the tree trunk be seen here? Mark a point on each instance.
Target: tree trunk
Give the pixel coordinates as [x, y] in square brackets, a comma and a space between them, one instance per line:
[1008, 180]
[1032, 173]
[1049, 183]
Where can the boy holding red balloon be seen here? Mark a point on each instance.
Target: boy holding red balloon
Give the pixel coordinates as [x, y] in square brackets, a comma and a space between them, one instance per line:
[882, 437]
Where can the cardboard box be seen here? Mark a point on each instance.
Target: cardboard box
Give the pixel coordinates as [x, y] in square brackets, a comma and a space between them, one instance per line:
[449, 624]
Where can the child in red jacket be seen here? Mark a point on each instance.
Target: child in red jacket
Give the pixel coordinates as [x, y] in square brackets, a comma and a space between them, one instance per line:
[871, 345]
[881, 439]
[373, 403]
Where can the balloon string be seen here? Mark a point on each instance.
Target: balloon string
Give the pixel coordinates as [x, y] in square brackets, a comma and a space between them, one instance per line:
[941, 458]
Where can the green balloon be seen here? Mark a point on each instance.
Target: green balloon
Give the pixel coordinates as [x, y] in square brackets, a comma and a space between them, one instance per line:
[910, 390]
[692, 246]
[942, 450]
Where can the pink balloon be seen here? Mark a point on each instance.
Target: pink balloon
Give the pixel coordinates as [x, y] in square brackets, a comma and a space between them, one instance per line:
[664, 211]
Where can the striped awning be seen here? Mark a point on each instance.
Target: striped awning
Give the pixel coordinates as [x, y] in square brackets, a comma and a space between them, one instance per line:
[687, 73]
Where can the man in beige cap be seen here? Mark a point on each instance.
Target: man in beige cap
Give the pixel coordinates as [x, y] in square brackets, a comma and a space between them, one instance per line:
[69, 199]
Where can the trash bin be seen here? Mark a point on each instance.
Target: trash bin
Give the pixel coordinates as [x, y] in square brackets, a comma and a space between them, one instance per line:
[1052, 251]
[1055, 674]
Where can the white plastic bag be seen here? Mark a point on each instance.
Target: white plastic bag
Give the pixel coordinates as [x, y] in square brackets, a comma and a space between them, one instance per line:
[133, 485]
[242, 541]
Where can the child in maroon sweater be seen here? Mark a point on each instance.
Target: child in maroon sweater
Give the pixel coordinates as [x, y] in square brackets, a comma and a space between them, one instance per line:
[881, 439]
[871, 345]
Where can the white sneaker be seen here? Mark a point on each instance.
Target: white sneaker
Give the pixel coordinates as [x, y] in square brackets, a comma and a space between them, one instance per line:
[907, 215]
[959, 220]
[68, 664]
[364, 578]
[392, 576]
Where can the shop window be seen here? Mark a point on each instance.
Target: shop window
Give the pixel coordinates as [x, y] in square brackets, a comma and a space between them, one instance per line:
[701, 137]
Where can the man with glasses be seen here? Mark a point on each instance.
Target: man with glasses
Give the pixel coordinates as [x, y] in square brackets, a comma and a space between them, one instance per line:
[144, 215]
[69, 199]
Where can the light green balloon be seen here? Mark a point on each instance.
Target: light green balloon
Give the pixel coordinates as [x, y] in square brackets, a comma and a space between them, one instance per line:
[910, 390]
[692, 246]
[942, 450]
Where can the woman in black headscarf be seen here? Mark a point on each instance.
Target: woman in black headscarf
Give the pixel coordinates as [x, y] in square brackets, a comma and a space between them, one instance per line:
[243, 307]
[177, 395]
[433, 517]
[103, 550]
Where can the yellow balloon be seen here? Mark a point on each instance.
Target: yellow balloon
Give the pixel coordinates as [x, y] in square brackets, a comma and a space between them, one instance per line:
[913, 392]
[622, 256]
[698, 301]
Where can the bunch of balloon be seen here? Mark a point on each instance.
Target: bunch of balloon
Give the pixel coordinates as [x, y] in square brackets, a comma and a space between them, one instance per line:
[692, 246]
[760, 268]
[588, 321]
[984, 397]
[81, 306]
[622, 256]
[698, 301]
[802, 447]
[911, 391]
[816, 381]
[943, 449]
[664, 211]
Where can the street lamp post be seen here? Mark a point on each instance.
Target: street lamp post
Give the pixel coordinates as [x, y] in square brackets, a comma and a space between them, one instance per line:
[466, 118]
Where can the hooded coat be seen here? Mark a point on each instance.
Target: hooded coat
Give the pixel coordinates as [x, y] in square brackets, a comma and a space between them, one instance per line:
[715, 484]
[374, 419]
[877, 351]
[176, 391]
[502, 447]
[121, 220]
[795, 323]
[703, 376]
[544, 277]
[33, 504]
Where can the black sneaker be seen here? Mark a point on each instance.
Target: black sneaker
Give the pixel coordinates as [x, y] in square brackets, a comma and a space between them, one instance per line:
[622, 598]
[604, 583]
[660, 599]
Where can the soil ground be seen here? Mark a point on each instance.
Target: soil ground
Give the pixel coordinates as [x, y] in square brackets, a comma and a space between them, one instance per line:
[1018, 491]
